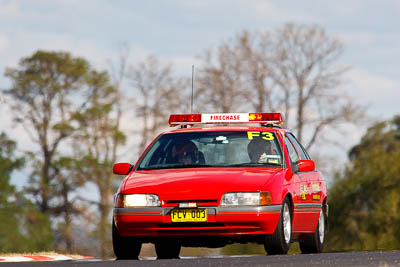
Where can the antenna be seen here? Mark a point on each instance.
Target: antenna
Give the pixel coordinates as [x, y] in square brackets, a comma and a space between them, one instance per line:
[191, 106]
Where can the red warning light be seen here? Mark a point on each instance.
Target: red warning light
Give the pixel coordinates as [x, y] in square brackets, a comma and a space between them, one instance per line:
[266, 117]
[176, 119]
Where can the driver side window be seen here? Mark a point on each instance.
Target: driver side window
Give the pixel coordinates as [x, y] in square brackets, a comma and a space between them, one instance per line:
[294, 157]
[299, 148]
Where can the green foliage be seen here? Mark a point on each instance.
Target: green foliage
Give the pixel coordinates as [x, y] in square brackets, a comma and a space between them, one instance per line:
[22, 226]
[8, 163]
[47, 88]
[46, 74]
[95, 145]
[365, 200]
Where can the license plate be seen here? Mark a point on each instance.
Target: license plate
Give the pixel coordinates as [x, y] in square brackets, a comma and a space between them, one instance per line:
[188, 215]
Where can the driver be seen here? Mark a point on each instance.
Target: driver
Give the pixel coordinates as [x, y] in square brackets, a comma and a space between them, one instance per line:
[185, 153]
[258, 149]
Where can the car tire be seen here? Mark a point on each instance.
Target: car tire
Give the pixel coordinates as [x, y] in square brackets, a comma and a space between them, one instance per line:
[125, 248]
[314, 243]
[167, 249]
[279, 241]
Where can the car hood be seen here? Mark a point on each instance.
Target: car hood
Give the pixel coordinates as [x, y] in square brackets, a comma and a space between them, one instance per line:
[199, 183]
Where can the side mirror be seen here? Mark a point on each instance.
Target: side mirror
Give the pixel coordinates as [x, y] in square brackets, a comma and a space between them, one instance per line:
[122, 168]
[306, 165]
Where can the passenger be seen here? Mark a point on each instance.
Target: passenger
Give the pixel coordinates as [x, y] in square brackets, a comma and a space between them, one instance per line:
[258, 149]
[185, 153]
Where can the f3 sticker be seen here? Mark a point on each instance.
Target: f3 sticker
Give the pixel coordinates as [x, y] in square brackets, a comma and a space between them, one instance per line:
[264, 135]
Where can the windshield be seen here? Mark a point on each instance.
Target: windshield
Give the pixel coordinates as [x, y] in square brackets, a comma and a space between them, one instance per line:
[214, 149]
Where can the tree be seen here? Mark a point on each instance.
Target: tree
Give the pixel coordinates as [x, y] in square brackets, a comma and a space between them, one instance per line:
[305, 69]
[73, 113]
[22, 226]
[118, 76]
[70, 204]
[292, 70]
[95, 149]
[364, 213]
[49, 90]
[44, 88]
[220, 78]
[158, 93]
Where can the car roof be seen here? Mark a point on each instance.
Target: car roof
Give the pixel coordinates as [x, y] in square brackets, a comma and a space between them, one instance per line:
[225, 128]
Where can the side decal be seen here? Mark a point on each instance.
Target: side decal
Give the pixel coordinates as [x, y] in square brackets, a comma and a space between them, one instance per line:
[303, 192]
[316, 188]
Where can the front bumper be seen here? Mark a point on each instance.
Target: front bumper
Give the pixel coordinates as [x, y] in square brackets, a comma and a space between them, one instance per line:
[221, 221]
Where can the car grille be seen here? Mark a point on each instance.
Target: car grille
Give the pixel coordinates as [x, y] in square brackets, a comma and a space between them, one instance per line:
[191, 224]
[200, 202]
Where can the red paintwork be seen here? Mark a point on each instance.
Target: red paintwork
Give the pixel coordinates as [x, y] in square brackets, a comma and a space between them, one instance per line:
[199, 183]
[306, 165]
[233, 225]
[122, 168]
[211, 183]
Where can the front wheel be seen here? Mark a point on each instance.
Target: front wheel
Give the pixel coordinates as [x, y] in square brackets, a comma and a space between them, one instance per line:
[279, 242]
[125, 247]
[167, 249]
[315, 242]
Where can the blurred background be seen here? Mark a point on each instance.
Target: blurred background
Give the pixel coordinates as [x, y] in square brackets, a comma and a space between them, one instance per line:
[85, 84]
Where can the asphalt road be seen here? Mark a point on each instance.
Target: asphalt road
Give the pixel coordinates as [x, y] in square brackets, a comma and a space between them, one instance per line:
[363, 258]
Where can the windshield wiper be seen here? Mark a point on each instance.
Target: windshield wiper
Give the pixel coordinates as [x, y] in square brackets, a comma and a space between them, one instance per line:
[182, 166]
[192, 166]
[251, 164]
[176, 166]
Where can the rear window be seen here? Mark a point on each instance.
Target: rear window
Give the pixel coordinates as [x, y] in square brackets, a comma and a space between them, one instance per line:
[214, 149]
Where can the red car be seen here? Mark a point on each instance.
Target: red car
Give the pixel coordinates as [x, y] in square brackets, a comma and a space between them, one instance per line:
[212, 185]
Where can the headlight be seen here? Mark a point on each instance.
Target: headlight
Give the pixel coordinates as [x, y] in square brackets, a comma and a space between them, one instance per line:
[246, 199]
[137, 200]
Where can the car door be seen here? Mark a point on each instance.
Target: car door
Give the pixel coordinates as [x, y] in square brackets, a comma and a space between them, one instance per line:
[308, 206]
[299, 186]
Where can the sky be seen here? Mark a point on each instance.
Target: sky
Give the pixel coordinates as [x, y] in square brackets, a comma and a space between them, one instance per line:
[177, 31]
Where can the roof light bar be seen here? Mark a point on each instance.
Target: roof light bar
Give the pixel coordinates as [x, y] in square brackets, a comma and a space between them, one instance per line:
[225, 118]
[181, 119]
[266, 117]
